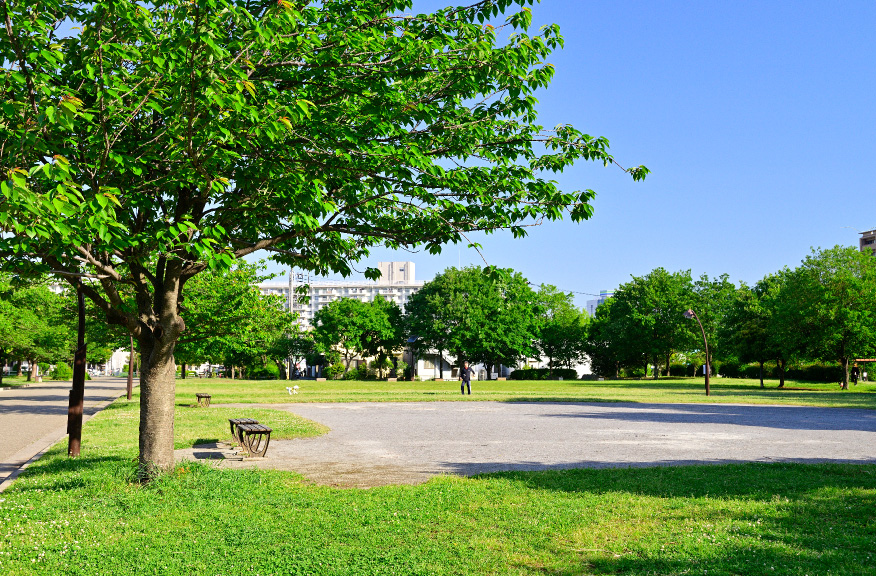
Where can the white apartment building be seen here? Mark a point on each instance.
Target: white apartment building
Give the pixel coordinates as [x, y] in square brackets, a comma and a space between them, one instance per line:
[396, 284]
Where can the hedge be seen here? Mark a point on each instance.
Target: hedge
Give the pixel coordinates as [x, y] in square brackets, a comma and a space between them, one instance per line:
[543, 374]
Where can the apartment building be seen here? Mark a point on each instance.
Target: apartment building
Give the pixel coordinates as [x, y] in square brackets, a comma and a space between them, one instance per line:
[868, 242]
[396, 284]
[592, 305]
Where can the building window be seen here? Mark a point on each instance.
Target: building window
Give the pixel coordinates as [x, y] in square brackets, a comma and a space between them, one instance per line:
[868, 241]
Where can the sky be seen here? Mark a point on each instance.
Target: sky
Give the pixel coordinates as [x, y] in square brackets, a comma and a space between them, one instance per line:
[756, 119]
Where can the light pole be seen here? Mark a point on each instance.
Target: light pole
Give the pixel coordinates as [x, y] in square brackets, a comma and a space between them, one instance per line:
[691, 314]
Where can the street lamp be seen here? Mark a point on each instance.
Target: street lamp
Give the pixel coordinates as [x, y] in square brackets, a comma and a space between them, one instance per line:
[691, 314]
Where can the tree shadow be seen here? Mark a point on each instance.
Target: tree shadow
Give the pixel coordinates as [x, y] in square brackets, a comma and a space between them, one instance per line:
[763, 518]
[782, 417]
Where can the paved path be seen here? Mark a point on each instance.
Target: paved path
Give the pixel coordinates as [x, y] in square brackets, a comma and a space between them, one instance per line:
[379, 443]
[33, 419]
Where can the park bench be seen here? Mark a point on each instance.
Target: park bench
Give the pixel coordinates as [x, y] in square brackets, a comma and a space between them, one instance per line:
[234, 423]
[203, 399]
[252, 436]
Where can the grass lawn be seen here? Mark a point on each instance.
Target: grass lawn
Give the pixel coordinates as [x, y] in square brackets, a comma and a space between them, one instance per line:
[674, 390]
[86, 517]
[14, 381]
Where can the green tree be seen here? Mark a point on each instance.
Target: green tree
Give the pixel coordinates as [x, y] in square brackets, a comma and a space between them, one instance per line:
[47, 336]
[711, 299]
[834, 301]
[232, 322]
[746, 328]
[648, 317]
[163, 139]
[605, 346]
[358, 328]
[480, 315]
[562, 331]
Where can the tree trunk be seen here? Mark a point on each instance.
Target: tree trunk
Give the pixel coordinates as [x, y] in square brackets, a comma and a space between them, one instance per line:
[761, 373]
[668, 358]
[489, 368]
[19, 369]
[845, 363]
[656, 369]
[781, 365]
[617, 370]
[157, 402]
[182, 371]
[32, 373]
[440, 364]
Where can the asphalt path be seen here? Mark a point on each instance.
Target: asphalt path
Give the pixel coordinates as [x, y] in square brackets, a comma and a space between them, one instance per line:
[32, 419]
[381, 443]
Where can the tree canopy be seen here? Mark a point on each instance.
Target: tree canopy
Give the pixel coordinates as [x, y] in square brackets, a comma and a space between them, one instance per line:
[162, 139]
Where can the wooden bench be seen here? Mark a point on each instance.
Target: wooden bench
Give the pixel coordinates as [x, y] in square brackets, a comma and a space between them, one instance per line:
[234, 423]
[203, 399]
[252, 436]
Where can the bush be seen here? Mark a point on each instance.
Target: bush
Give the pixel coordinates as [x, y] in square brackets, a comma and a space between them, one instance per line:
[62, 371]
[268, 371]
[638, 372]
[401, 369]
[678, 370]
[335, 371]
[816, 373]
[543, 374]
[730, 370]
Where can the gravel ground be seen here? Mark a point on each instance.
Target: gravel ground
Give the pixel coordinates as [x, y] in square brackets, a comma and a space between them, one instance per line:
[372, 444]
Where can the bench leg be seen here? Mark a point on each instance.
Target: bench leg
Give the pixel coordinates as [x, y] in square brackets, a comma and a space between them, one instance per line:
[254, 444]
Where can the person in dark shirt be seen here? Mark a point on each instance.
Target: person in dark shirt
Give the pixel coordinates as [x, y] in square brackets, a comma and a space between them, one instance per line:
[465, 377]
[855, 373]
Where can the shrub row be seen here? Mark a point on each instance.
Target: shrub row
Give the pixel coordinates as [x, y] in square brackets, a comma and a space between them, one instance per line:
[808, 372]
[543, 374]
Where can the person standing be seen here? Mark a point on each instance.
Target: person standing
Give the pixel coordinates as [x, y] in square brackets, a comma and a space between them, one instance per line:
[465, 378]
[855, 372]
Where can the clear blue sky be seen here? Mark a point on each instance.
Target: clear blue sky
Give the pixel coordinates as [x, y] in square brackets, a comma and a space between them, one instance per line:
[757, 120]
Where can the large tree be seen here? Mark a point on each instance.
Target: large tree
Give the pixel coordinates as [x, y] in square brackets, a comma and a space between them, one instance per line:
[159, 140]
[481, 315]
[649, 318]
[833, 296]
[562, 331]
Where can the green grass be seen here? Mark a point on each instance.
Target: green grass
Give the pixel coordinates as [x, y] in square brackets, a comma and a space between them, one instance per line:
[675, 390]
[87, 517]
[14, 381]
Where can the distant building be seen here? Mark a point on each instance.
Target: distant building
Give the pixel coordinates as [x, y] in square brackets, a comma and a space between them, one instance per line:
[396, 284]
[868, 242]
[592, 305]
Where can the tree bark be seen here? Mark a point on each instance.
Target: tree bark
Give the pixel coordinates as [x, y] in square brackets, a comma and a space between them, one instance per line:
[182, 371]
[845, 382]
[19, 369]
[761, 373]
[32, 373]
[668, 365]
[440, 364]
[781, 365]
[157, 402]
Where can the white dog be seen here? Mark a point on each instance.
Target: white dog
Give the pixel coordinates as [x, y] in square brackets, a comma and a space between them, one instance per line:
[292, 390]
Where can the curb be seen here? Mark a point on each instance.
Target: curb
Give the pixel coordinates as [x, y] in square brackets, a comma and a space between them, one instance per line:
[36, 450]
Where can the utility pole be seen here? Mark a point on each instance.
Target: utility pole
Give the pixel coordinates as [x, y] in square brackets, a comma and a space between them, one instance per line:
[131, 369]
[77, 393]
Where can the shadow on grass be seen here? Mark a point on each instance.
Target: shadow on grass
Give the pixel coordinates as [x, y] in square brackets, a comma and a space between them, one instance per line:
[752, 518]
[62, 473]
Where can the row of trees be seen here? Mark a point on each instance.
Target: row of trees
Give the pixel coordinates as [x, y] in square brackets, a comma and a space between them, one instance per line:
[37, 325]
[233, 324]
[823, 310]
[481, 315]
